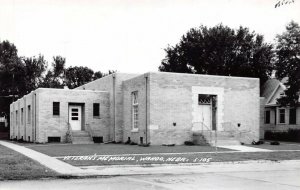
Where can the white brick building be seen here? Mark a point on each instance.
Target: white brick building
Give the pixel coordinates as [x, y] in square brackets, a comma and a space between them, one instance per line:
[156, 107]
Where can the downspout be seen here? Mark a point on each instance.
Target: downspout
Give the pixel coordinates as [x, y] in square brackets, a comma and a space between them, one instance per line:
[35, 117]
[114, 106]
[24, 118]
[146, 77]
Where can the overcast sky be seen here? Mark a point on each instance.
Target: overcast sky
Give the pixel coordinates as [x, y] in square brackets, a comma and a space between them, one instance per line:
[127, 35]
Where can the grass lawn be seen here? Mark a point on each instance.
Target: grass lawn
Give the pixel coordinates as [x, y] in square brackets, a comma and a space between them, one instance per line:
[119, 154]
[114, 149]
[15, 166]
[189, 158]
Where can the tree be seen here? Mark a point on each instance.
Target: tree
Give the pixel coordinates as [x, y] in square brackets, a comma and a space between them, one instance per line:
[288, 63]
[98, 75]
[220, 50]
[77, 76]
[34, 68]
[11, 70]
[55, 78]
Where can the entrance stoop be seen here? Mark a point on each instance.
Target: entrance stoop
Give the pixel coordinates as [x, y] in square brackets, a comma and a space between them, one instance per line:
[81, 137]
[221, 139]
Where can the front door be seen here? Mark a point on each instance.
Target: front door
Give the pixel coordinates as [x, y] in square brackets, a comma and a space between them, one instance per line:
[204, 112]
[75, 117]
[204, 116]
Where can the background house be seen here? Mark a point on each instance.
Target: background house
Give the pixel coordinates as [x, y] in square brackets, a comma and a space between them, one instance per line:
[274, 116]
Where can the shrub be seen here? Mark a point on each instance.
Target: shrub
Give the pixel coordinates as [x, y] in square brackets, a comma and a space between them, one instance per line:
[290, 135]
[168, 144]
[133, 143]
[128, 141]
[189, 143]
[145, 145]
[257, 142]
[274, 143]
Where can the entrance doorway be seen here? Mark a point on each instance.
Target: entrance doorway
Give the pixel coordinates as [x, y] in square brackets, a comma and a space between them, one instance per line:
[75, 117]
[206, 111]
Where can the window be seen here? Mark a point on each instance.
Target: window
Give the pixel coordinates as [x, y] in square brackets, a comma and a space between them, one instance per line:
[17, 123]
[281, 115]
[28, 114]
[267, 117]
[55, 108]
[135, 110]
[96, 110]
[293, 116]
[74, 113]
[22, 116]
[204, 99]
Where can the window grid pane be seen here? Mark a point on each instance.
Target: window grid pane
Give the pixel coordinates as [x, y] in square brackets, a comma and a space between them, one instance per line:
[55, 108]
[28, 114]
[282, 116]
[96, 109]
[267, 121]
[135, 109]
[293, 116]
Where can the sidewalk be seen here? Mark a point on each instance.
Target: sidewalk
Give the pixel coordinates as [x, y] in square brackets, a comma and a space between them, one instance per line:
[241, 148]
[66, 169]
[45, 160]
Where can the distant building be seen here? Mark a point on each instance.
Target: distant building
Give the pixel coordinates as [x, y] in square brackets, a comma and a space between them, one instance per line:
[3, 122]
[274, 116]
[156, 107]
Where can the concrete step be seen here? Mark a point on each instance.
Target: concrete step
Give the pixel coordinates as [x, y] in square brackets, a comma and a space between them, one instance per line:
[82, 140]
[225, 142]
[80, 134]
[81, 137]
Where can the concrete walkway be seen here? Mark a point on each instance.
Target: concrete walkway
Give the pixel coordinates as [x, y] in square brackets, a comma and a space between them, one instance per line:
[45, 160]
[245, 148]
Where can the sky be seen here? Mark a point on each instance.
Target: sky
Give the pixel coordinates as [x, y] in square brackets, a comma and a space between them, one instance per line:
[128, 35]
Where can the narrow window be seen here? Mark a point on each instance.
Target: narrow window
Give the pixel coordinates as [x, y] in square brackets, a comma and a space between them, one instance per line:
[281, 115]
[135, 110]
[293, 116]
[96, 110]
[55, 108]
[28, 114]
[17, 123]
[22, 116]
[267, 117]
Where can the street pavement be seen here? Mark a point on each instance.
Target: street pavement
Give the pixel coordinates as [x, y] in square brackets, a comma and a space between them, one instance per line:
[221, 175]
[281, 176]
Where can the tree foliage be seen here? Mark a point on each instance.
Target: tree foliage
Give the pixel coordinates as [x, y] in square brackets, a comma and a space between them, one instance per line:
[288, 63]
[54, 78]
[34, 68]
[77, 76]
[220, 50]
[21, 75]
[11, 69]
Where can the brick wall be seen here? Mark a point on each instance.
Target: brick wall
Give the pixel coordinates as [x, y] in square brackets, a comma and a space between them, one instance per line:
[113, 85]
[171, 104]
[50, 125]
[137, 84]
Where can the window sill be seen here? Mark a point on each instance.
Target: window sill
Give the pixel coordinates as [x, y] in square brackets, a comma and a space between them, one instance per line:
[134, 130]
[96, 117]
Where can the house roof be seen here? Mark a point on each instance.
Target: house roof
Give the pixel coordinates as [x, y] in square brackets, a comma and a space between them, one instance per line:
[269, 87]
[272, 89]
